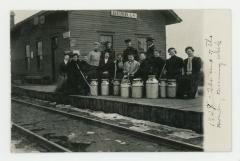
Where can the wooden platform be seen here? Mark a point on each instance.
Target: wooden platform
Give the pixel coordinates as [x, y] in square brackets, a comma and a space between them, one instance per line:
[187, 113]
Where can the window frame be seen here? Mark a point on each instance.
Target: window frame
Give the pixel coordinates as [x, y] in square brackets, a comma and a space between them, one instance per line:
[144, 49]
[28, 56]
[141, 36]
[110, 34]
[39, 57]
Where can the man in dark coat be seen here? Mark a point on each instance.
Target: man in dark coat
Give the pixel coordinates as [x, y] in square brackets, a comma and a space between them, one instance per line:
[189, 82]
[174, 65]
[157, 64]
[174, 69]
[150, 48]
[106, 66]
[144, 68]
[108, 49]
[106, 70]
[130, 50]
[76, 81]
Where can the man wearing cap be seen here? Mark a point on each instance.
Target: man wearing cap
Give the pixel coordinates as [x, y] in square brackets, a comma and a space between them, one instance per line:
[93, 60]
[109, 49]
[130, 50]
[150, 48]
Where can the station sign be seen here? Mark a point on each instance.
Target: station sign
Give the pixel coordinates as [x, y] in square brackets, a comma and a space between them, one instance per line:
[124, 14]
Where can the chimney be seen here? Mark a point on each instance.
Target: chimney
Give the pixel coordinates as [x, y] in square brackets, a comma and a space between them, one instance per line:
[12, 17]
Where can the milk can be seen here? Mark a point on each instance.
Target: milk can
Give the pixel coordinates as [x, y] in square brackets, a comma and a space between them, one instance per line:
[152, 87]
[137, 88]
[171, 88]
[162, 88]
[116, 87]
[105, 87]
[125, 88]
[94, 87]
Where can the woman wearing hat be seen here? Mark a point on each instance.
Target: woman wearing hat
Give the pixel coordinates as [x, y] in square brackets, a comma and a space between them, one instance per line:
[76, 81]
[63, 69]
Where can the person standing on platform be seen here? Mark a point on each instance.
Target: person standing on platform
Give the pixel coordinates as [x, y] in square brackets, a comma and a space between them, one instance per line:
[158, 64]
[189, 83]
[63, 69]
[130, 50]
[76, 81]
[150, 49]
[130, 67]
[144, 68]
[143, 71]
[174, 68]
[109, 49]
[119, 67]
[174, 65]
[106, 67]
[106, 70]
[93, 60]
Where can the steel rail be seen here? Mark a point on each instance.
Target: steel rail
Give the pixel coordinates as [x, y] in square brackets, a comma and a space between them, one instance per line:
[51, 146]
[155, 138]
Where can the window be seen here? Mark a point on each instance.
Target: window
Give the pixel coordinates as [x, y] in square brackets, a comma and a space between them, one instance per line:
[42, 19]
[27, 56]
[104, 38]
[35, 20]
[141, 43]
[39, 55]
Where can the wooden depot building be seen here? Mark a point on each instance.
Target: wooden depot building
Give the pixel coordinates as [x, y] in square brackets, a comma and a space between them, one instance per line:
[38, 42]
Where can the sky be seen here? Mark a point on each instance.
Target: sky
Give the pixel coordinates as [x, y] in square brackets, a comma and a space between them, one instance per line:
[180, 35]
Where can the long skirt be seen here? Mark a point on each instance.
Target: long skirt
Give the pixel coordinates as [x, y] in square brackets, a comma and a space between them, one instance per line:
[187, 86]
[61, 83]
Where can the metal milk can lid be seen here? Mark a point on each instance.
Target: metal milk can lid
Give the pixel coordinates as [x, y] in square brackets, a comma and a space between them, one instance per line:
[105, 81]
[94, 82]
[137, 82]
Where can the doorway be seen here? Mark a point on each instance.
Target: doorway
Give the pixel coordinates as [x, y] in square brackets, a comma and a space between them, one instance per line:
[54, 47]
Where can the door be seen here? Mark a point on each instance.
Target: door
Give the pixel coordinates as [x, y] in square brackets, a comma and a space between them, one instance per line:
[54, 46]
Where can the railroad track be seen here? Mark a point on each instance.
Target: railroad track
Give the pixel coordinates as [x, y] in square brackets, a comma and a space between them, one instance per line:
[49, 145]
[154, 138]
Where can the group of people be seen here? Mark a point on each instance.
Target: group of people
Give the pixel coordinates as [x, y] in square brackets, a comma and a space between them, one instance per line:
[75, 75]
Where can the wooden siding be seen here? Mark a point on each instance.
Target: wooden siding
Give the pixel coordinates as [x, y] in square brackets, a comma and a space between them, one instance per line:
[55, 24]
[86, 26]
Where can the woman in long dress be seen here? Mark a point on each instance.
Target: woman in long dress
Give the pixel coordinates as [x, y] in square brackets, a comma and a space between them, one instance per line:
[76, 83]
[62, 78]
